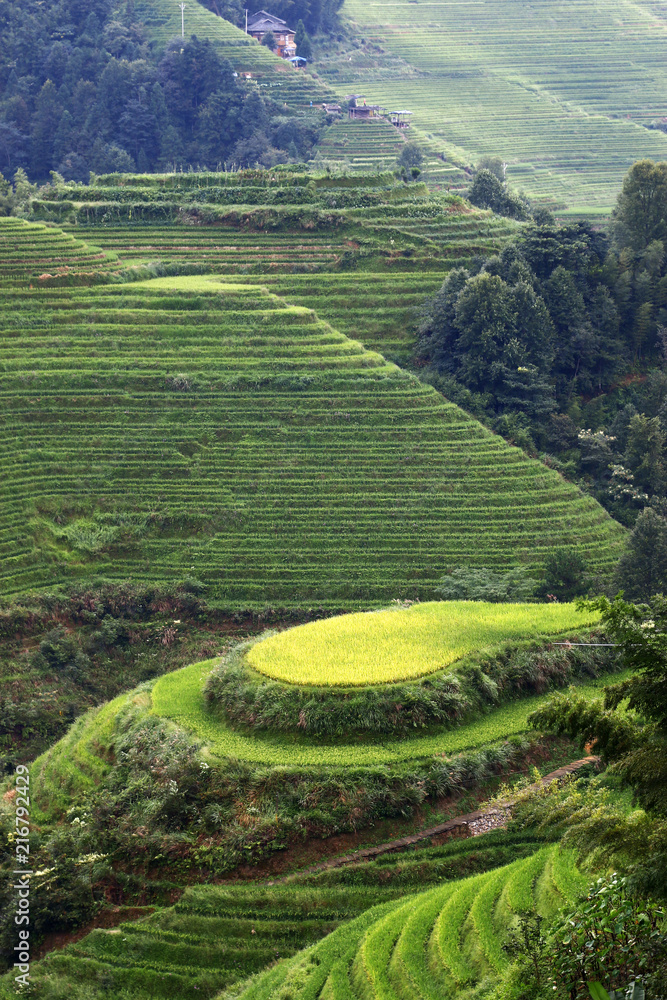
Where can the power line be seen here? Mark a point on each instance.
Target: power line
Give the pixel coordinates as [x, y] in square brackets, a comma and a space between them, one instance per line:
[585, 644]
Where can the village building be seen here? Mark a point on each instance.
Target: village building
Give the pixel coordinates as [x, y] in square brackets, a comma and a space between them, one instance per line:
[398, 118]
[262, 23]
[364, 111]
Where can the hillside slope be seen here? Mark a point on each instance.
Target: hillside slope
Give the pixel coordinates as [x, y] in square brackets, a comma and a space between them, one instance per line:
[183, 427]
[217, 935]
[277, 79]
[559, 92]
[432, 944]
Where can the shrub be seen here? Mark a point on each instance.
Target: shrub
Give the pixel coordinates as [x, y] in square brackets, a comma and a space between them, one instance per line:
[481, 584]
[612, 937]
[564, 575]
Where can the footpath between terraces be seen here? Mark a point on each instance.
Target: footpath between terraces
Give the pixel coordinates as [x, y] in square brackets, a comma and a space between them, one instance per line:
[471, 824]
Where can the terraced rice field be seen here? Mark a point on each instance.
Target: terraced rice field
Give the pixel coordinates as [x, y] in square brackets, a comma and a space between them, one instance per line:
[216, 935]
[208, 940]
[379, 307]
[430, 944]
[380, 647]
[185, 427]
[363, 145]
[366, 268]
[557, 91]
[225, 251]
[31, 249]
[369, 145]
[70, 769]
[179, 697]
[381, 310]
[454, 238]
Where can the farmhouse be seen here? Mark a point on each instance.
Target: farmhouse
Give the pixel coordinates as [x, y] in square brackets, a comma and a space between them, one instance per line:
[364, 111]
[262, 22]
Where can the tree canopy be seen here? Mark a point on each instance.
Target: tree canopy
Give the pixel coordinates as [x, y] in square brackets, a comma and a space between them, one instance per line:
[82, 89]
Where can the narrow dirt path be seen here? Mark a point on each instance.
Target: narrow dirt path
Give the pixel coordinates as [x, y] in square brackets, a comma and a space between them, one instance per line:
[471, 824]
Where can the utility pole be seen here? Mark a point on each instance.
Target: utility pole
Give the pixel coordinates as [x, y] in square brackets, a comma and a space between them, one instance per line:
[246, 20]
[182, 6]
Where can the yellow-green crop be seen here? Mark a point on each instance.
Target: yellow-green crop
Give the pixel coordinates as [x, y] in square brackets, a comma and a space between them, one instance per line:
[374, 647]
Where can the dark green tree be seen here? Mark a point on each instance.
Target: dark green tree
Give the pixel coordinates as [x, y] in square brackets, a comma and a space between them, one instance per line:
[138, 130]
[494, 164]
[487, 191]
[48, 112]
[305, 48]
[269, 40]
[640, 215]
[410, 156]
[644, 452]
[642, 569]
[299, 34]
[564, 574]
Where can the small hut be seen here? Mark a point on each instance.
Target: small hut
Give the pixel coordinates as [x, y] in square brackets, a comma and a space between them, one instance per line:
[398, 118]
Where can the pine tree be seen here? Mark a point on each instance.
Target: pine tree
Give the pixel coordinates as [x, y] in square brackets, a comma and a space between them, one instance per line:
[642, 569]
[299, 34]
[305, 49]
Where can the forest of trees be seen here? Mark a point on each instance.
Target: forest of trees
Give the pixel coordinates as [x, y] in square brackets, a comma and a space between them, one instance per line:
[560, 344]
[82, 89]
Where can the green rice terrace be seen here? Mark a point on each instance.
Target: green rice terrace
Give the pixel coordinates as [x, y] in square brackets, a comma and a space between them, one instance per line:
[361, 250]
[561, 93]
[213, 429]
[326, 930]
[433, 943]
[249, 752]
[77, 763]
[353, 933]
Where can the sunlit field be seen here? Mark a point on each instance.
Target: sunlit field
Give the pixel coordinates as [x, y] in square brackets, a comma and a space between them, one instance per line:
[396, 644]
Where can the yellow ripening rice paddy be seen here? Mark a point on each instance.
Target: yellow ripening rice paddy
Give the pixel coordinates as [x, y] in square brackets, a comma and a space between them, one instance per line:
[377, 647]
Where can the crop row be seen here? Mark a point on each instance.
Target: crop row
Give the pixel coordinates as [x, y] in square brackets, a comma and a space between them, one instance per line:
[430, 944]
[217, 934]
[555, 93]
[359, 461]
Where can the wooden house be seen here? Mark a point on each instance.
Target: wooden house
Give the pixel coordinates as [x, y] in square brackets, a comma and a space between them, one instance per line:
[364, 111]
[262, 23]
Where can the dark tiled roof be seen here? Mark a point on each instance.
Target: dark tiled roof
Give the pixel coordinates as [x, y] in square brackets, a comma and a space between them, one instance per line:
[262, 21]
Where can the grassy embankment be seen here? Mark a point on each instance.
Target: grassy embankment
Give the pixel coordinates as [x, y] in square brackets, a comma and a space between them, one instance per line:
[77, 763]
